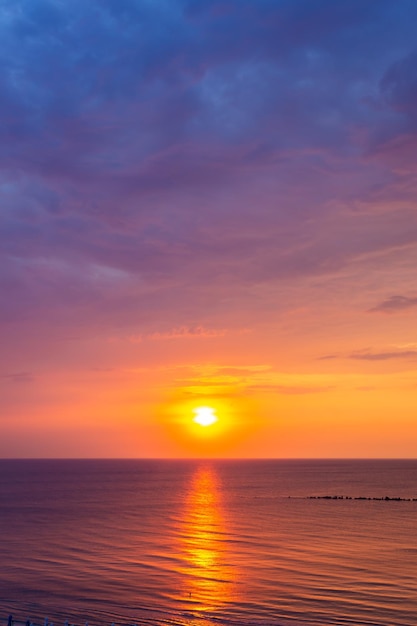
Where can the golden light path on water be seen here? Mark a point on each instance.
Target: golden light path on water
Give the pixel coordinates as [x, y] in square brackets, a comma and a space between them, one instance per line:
[210, 579]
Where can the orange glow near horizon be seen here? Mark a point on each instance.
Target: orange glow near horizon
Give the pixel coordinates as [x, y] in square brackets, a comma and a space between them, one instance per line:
[347, 408]
[209, 427]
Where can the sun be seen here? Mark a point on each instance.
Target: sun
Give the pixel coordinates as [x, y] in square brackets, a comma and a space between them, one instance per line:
[205, 416]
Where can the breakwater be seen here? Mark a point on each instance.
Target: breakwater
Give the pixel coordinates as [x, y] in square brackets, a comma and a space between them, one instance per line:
[379, 499]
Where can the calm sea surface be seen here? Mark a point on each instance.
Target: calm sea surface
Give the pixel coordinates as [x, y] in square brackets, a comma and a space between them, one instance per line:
[207, 543]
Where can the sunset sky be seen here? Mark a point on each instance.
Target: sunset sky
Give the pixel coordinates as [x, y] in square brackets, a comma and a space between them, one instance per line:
[208, 204]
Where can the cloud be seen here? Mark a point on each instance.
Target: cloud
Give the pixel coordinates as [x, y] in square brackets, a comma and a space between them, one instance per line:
[289, 390]
[193, 160]
[371, 355]
[120, 95]
[383, 356]
[394, 304]
[245, 380]
[399, 85]
[183, 332]
[18, 377]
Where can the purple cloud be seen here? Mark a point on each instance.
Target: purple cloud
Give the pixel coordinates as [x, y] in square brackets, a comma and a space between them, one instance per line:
[384, 356]
[394, 304]
[166, 165]
[18, 377]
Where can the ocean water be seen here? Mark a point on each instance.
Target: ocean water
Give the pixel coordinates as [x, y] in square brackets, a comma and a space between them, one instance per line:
[204, 543]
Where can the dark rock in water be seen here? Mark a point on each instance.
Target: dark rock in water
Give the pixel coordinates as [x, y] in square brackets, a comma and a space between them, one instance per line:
[384, 499]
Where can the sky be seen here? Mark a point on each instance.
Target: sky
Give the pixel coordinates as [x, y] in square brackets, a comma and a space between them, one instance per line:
[208, 203]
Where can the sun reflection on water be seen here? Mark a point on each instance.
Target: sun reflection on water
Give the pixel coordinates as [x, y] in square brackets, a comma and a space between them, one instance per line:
[209, 576]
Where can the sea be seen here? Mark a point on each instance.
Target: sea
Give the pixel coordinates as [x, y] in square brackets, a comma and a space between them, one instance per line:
[209, 543]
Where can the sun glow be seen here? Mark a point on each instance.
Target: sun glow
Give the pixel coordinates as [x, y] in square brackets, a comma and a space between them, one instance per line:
[205, 416]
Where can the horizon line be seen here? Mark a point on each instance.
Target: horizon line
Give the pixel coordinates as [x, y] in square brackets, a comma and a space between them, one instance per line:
[45, 458]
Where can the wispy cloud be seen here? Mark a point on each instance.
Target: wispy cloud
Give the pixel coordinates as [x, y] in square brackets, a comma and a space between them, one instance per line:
[185, 332]
[248, 380]
[196, 332]
[18, 377]
[400, 352]
[395, 304]
[289, 390]
[383, 356]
